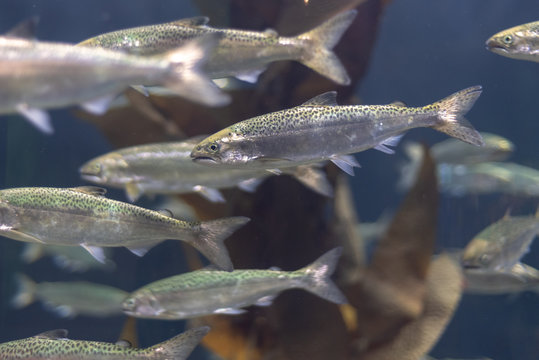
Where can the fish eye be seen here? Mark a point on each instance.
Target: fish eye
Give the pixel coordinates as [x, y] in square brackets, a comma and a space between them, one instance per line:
[484, 259]
[213, 147]
[130, 304]
[507, 39]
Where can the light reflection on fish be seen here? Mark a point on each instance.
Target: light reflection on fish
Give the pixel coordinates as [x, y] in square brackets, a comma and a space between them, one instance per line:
[84, 216]
[54, 345]
[321, 130]
[38, 75]
[71, 298]
[208, 291]
[240, 53]
[167, 168]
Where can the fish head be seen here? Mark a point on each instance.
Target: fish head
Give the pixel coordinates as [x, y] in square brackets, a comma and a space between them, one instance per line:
[479, 254]
[513, 42]
[142, 304]
[104, 169]
[226, 147]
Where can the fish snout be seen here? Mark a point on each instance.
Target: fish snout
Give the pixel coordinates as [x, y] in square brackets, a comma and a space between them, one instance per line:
[92, 171]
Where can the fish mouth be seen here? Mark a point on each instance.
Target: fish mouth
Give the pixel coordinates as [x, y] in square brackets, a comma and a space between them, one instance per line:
[492, 45]
[91, 177]
[205, 160]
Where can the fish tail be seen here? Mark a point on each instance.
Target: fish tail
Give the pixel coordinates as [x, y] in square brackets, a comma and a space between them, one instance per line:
[319, 55]
[451, 115]
[26, 289]
[187, 78]
[32, 252]
[180, 346]
[317, 277]
[210, 241]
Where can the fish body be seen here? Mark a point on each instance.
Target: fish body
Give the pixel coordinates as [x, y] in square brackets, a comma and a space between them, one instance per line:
[501, 245]
[83, 216]
[519, 42]
[74, 259]
[39, 75]
[520, 277]
[450, 153]
[321, 130]
[71, 298]
[492, 177]
[240, 53]
[167, 168]
[53, 345]
[209, 291]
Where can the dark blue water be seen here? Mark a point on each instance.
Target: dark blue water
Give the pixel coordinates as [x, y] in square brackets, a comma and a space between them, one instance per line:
[425, 51]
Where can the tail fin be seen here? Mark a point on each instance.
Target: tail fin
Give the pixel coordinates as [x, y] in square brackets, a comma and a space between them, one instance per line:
[186, 77]
[317, 277]
[25, 292]
[180, 346]
[451, 114]
[313, 177]
[319, 55]
[210, 241]
[32, 252]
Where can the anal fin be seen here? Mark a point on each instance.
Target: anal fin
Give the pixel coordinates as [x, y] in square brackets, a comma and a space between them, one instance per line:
[346, 163]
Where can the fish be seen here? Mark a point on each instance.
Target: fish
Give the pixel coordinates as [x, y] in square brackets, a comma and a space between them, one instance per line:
[502, 244]
[519, 278]
[454, 152]
[486, 178]
[239, 53]
[37, 75]
[74, 259]
[70, 298]
[167, 168]
[520, 42]
[210, 291]
[83, 216]
[54, 345]
[320, 130]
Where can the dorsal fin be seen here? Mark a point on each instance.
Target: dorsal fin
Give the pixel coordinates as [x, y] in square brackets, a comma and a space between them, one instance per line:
[166, 212]
[90, 190]
[326, 99]
[194, 21]
[26, 29]
[53, 334]
[507, 214]
[271, 32]
[124, 343]
[398, 103]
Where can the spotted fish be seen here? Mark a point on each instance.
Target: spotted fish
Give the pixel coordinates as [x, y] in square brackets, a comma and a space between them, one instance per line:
[519, 42]
[240, 53]
[53, 345]
[321, 130]
[209, 291]
[84, 216]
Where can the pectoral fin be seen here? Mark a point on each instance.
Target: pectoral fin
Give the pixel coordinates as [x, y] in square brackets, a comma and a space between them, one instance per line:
[265, 301]
[250, 185]
[20, 235]
[96, 252]
[230, 311]
[250, 76]
[39, 118]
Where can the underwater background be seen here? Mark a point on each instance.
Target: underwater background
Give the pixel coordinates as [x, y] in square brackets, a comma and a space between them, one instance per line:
[423, 50]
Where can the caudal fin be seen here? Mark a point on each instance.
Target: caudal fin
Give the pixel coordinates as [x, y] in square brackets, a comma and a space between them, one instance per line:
[180, 346]
[210, 241]
[451, 114]
[26, 289]
[319, 55]
[187, 77]
[317, 277]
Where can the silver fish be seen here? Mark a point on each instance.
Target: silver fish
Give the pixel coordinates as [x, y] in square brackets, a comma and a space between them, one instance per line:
[501, 245]
[39, 75]
[54, 345]
[83, 216]
[519, 42]
[240, 53]
[207, 291]
[492, 177]
[520, 277]
[321, 130]
[167, 168]
[75, 259]
[71, 298]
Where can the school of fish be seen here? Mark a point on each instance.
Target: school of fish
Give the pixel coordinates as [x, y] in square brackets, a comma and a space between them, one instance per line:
[78, 225]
